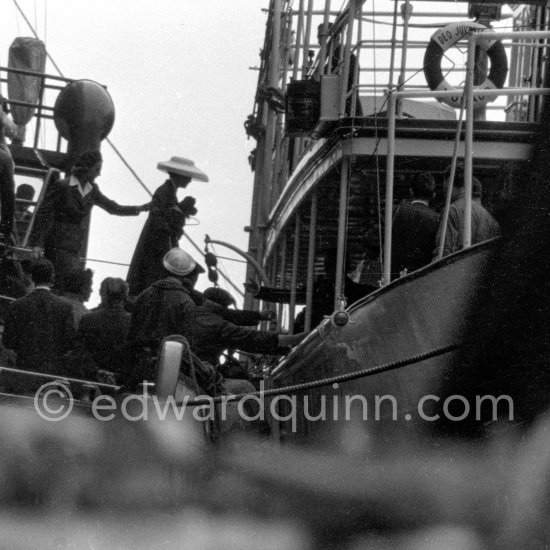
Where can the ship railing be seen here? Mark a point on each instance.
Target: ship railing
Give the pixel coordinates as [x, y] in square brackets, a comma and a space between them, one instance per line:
[468, 93]
[44, 106]
[74, 390]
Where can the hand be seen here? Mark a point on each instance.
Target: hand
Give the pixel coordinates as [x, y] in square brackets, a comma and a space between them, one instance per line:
[268, 315]
[187, 206]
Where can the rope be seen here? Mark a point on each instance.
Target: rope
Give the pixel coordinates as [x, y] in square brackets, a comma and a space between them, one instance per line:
[329, 381]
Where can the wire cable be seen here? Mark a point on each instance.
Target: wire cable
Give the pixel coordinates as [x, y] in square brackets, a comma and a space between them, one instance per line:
[347, 377]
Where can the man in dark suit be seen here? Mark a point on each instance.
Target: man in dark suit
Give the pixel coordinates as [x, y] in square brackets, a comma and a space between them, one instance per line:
[39, 327]
[102, 332]
[414, 227]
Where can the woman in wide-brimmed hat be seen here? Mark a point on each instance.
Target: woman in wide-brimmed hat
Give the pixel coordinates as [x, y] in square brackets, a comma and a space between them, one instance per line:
[164, 226]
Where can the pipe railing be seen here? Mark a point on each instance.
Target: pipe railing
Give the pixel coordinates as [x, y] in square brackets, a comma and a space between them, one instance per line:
[469, 92]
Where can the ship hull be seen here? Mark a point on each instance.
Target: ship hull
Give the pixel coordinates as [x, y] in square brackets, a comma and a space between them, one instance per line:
[426, 310]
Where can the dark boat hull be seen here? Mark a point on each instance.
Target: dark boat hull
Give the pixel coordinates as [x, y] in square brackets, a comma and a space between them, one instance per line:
[426, 310]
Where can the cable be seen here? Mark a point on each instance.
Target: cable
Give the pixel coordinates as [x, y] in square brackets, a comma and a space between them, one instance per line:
[36, 36]
[117, 152]
[332, 380]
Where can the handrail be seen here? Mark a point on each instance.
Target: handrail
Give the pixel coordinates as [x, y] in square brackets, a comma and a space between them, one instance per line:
[59, 377]
[468, 93]
[259, 269]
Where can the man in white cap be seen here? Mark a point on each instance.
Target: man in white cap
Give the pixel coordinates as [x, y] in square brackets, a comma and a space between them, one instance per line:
[170, 306]
[164, 226]
[165, 308]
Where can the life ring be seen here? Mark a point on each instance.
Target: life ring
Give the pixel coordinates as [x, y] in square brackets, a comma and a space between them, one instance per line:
[447, 37]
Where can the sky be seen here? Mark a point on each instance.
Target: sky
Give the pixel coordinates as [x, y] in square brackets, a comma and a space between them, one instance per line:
[179, 73]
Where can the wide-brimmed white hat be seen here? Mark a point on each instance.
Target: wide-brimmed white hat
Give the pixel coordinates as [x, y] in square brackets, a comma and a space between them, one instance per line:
[183, 167]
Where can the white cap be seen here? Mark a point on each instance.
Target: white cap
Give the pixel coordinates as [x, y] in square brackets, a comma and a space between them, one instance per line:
[180, 263]
[182, 167]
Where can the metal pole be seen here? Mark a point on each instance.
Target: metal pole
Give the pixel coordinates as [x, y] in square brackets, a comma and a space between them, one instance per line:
[393, 44]
[534, 72]
[406, 10]
[356, 70]
[307, 37]
[281, 142]
[347, 52]
[323, 43]
[342, 224]
[450, 185]
[294, 280]
[492, 92]
[295, 68]
[469, 142]
[388, 213]
[311, 261]
[275, 45]
[273, 82]
[282, 278]
[298, 44]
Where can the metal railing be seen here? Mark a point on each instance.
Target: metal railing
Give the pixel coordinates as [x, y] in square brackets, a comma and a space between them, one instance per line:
[468, 92]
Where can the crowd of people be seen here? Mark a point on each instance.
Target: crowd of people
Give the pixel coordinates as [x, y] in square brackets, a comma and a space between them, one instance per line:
[119, 340]
[51, 330]
[420, 235]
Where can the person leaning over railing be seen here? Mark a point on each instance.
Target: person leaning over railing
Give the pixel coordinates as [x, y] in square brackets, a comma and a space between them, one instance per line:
[170, 307]
[59, 226]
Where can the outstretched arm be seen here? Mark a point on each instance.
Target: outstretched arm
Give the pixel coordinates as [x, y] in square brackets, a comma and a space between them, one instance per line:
[117, 209]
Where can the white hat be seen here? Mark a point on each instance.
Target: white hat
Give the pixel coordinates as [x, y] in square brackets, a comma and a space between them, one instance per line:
[182, 167]
[180, 263]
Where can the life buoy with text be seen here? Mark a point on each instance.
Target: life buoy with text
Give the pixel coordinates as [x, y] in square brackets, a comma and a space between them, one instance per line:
[448, 36]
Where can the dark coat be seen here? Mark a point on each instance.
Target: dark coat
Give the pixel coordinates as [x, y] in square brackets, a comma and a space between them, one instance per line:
[103, 334]
[39, 328]
[165, 308]
[484, 226]
[7, 191]
[60, 225]
[213, 335]
[161, 232]
[241, 317]
[413, 236]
